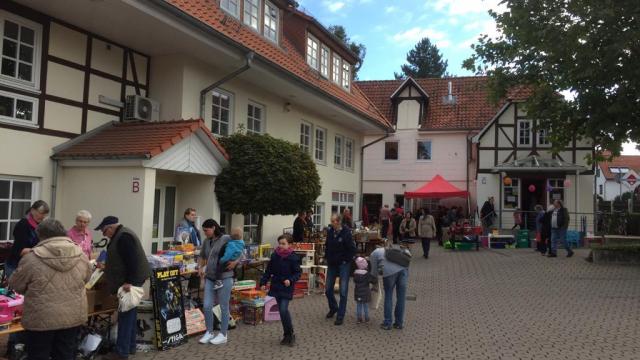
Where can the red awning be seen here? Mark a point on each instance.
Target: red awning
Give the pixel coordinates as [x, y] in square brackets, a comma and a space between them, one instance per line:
[438, 187]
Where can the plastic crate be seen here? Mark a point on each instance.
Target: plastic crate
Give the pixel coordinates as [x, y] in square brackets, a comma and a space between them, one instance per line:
[522, 235]
[522, 243]
[498, 245]
[447, 244]
[271, 312]
[465, 246]
[253, 315]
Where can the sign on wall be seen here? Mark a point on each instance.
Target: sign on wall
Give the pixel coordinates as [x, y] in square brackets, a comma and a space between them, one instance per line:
[631, 179]
[135, 185]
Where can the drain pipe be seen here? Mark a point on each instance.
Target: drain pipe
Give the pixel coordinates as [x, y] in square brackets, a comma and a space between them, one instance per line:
[54, 188]
[386, 135]
[203, 94]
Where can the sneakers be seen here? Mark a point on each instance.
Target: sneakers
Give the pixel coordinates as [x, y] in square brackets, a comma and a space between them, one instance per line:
[385, 327]
[219, 339]
[331, 313]
[338, 322]
[218, 285]
[570, 253]
[207, 337]
[397, 326]
[359, 321]
[289, 340]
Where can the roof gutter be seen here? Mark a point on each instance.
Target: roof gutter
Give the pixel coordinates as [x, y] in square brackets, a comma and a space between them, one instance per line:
[386, 135]
[162, 4]
[203, 93]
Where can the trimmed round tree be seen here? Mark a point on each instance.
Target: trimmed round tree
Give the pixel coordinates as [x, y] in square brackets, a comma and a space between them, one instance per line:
[266, 176]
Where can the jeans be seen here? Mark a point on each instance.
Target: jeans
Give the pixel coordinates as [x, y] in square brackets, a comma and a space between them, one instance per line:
[220, 297]
[55, 344]
[127, 331]
[285, 315]
[385, 229]
[333, 272]
[559, 234]
[362, 310]
[398, 281]
[426, 245]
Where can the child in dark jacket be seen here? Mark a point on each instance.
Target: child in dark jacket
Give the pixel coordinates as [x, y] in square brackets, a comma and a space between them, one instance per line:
[283, 271]
[362, 279]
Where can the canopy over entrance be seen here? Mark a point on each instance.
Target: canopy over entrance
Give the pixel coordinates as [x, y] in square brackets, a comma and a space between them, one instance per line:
[438, 187]
[534, 163]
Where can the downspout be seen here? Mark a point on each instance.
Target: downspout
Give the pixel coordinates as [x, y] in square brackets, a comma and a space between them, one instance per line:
[203, 94]
[386, 135]
[469, 149]
[54, 187]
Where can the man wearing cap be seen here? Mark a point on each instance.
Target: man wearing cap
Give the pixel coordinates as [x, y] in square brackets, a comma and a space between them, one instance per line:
[126, 266]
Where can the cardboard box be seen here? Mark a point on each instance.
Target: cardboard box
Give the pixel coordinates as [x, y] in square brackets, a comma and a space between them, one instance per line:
[99, 299]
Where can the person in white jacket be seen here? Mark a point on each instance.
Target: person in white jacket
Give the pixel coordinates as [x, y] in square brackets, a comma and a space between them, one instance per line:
[426, 231]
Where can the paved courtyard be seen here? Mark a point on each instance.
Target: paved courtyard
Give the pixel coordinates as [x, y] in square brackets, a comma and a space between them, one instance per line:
[491, 304]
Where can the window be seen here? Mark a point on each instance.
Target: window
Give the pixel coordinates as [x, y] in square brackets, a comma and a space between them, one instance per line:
[312, 52]
[391, 150]
[230, 6]
[324, 61]
[16, 197]
[251, 229]
[271, 22]
[305, 137]
[321, 140]
[348, 153]
[512, 194]
[221, 113]
[556, 190]
[225, 222]
[18, 109]
[20, 50]
[600, 189]
[543, 139]
[335, 69]
[318, 215]
[524, 132]
[251, 13]
[424, 150]
[337, 157]
[255, 116]
[342, 200]
[619, 170]
[346, 75]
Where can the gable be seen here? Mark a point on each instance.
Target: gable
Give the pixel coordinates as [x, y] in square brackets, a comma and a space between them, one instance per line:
[191, 155]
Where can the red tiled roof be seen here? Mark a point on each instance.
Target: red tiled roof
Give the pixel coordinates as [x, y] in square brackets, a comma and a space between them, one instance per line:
[283, 55]
[137, 139]
[630, 161]
[472, 109]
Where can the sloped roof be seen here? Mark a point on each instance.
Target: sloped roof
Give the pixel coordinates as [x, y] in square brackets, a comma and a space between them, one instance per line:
[472, 109]
[630, 161]
[283, 55]
[132, 140]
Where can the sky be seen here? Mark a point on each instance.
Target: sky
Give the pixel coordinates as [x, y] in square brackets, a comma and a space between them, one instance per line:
[390, 28]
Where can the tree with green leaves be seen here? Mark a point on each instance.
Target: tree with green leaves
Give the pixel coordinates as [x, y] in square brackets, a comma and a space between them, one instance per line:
[357, 48]
[423, 61]
[266, 176]
[587, 50]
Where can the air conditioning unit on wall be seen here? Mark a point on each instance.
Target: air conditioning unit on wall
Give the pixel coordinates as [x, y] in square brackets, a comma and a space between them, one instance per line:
[141, 108]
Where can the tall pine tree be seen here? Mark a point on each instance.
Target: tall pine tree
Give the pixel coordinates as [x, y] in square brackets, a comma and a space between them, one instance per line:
[424, 60]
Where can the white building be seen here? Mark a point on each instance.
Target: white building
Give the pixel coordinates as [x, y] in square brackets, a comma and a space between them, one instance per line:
[69, 66]
[435, 120]
[617, 177]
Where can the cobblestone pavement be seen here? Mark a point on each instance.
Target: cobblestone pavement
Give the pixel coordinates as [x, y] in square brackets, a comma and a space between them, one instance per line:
[491, 304]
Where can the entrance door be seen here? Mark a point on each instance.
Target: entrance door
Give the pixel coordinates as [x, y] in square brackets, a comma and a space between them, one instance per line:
[532, 198]
[164, 217]
[373, 203]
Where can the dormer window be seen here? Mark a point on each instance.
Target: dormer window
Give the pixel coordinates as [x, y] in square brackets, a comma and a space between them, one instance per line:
[324, 61]
[271, 22]
[346, 75]
[252, 13]
[230, 6]
[335, 69]
[312, 51]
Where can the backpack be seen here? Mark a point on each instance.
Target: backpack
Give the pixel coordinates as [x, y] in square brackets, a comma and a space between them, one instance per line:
[398, 256]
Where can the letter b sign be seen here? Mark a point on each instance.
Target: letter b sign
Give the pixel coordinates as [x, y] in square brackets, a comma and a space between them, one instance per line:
[135, 185]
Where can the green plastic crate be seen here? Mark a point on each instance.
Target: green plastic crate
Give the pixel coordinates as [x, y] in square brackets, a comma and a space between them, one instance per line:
[522, 235]
[465, 246]
[522, 243]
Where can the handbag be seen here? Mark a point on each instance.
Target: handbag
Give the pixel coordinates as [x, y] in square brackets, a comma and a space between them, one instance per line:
[398, 256]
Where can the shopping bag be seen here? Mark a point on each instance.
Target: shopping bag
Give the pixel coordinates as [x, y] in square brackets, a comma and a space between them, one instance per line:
[90, 344]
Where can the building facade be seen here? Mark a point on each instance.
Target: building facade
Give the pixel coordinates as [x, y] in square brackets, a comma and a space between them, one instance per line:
[616, 177]
[259, 66]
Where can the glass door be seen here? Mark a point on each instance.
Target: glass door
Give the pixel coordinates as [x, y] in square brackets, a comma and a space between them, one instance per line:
[164, 217]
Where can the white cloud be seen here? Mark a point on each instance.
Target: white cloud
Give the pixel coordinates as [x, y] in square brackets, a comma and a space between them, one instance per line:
[390, 9]
[334, 6]
[414, 34]
[457, 7]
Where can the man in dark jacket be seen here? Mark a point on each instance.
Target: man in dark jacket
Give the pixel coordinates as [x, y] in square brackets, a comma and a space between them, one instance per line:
[340, 251]
[396, 220]
[559, 225]
[126, 266]
[298, 227]
[487, 213]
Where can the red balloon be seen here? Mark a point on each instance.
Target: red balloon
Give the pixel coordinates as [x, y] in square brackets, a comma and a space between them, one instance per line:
[532, 188]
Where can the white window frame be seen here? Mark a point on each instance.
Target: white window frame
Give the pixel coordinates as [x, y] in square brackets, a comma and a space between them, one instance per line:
[515, 184]
[248, 227]
[13, 120]
[34, 195]
[601, 189]
[230, 110]
[320, 145]
[318, 215]
[522, 132]
[313, 51]
[251, 119]
[341, 200]
[430, 150]
[346, 75]
[325, 60]
[336, 68]
[556, 184]
[543, 134]
[266, 28]
[247, 16]
[338, 154]
[225, 5]
[34, 84]
[349, 153]
[306, 139]
[397, 150]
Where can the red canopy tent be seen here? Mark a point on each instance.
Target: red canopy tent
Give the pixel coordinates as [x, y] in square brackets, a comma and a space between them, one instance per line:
[438, 187]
